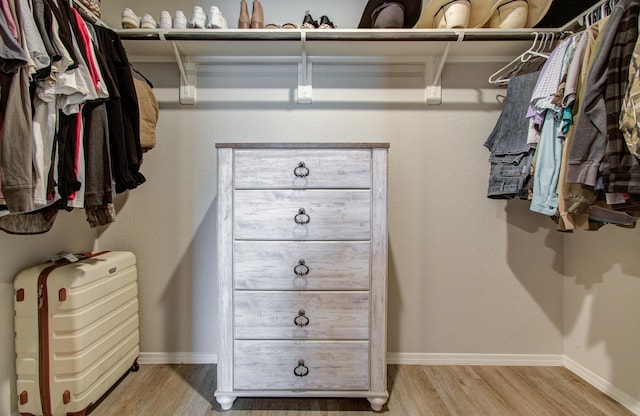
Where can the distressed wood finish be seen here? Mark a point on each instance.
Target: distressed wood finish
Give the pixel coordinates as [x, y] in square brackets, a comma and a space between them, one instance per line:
[333, 265]
[304, 289]
[326, 315]
[224, 392]
[380, 252]
[330, 365]
[260, 169]
[333, 215]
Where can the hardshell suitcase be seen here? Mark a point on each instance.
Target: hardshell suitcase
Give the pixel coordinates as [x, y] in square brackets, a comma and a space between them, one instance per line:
[76, 330]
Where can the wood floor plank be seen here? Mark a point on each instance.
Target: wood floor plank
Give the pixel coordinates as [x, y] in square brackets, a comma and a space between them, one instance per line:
[188, 390]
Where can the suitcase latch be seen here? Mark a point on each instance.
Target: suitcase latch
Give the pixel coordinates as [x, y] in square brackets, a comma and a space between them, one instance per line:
[113, 270]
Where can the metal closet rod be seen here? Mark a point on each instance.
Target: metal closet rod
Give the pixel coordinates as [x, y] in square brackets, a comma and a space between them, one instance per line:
[417, 35]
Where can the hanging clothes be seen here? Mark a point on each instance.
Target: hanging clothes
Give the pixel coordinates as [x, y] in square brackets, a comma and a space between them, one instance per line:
[629, 116]
[511, 155]
[546, 102]
[575, 199]
[69, 118]
[585, 172]
[589, 144]
[620, 169]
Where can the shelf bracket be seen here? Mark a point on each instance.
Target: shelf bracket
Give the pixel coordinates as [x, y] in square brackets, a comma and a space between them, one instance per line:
[433, 93]
[305, 89]
[187, 78]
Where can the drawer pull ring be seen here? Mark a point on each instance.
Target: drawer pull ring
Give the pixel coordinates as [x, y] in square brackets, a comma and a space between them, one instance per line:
[301, 268]
[301, 320]
[302, 217]
[301, 370]
[301, 171]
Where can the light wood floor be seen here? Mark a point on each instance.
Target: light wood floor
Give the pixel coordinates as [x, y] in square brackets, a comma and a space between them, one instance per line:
[187, 390]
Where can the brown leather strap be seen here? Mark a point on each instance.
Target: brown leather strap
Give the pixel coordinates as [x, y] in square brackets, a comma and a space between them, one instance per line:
[43, 330]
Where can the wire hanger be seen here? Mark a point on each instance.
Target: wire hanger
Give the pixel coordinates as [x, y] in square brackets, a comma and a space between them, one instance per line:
[528, 61]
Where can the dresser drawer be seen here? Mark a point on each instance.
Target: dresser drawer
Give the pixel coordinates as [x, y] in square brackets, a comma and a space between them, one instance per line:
[302, 168]
[302, 215]
[301, 265]
[301, 315]
[301, 365]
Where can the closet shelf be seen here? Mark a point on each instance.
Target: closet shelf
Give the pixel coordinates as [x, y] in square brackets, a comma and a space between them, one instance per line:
[420, 35]
[195, 44]
[431, 47]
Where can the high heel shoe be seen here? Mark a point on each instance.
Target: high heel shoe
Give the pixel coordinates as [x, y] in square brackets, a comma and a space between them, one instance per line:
[257, 15]
[243, 21]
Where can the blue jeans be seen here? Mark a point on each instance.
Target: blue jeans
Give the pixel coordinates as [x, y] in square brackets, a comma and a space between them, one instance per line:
[511, 155]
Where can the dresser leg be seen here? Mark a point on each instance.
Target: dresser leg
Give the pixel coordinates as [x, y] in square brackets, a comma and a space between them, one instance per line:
[226, 401]
[377, 403]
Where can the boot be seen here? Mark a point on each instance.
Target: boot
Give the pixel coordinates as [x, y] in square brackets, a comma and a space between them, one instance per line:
[257, 15]
[243, 21]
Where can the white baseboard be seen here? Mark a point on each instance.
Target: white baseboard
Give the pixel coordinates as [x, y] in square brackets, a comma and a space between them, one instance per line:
[475, 359]
[604, 386]
[177, 358]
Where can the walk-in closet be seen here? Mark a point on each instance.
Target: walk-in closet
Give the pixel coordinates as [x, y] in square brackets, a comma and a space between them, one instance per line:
[487, 305]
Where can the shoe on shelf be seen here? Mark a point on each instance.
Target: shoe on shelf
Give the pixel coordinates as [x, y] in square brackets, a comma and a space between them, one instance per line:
[325, 23]
[165, 20]
[148, 22]
[198, 18]
[257, 15]
[244, 22]
[130, 20]
[289, 26]
[180, 20]
[216, 19]
[308, 22]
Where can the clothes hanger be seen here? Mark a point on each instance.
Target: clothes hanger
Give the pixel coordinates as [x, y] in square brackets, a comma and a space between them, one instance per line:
[532, 57]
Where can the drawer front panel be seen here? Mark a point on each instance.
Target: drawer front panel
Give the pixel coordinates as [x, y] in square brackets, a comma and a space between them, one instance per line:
[321, 215]
[260, 169]
[301, 315]
[301, 265]
[273, 365]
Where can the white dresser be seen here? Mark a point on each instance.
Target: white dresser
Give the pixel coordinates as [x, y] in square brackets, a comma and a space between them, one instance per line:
[302, 269]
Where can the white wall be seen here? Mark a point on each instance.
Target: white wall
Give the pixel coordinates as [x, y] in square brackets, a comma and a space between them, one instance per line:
[601, 309]
[467, 275]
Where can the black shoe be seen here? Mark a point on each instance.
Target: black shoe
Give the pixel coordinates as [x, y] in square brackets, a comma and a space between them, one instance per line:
[325, 23]
[308, 22]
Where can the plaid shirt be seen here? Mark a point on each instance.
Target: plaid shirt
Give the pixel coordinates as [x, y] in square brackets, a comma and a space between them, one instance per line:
[620, 169]
[590, 142]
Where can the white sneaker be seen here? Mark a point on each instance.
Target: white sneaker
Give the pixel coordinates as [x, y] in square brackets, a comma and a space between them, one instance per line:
[165, 20]
[129, 19]
[216, 19]
[198, 18]
[180, 21]
[148, 22]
